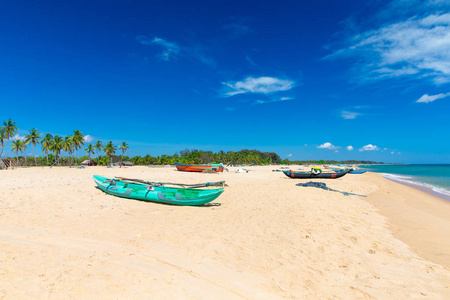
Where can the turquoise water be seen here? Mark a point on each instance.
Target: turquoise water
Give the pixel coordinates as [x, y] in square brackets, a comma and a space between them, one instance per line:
[436, 177]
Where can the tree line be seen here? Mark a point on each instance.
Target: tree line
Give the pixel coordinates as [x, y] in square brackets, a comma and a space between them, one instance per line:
[54, 147]
[61, 150]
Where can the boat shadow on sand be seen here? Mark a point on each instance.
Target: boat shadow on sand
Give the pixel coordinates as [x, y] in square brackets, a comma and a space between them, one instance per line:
[210, 204]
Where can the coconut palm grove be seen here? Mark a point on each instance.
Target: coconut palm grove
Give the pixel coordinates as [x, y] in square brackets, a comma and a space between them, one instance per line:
[59, 150]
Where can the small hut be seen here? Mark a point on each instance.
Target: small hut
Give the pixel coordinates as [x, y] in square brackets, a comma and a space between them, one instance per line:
[88, 162]
[6, 163]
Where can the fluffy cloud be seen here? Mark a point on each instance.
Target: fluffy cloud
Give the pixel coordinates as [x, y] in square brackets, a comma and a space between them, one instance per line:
[348, 115]
[88, 138]
[349, 148]
[417, 46]
[369, 147]
[427, 98]
[289, 155]
[328, 146]
[260, 85]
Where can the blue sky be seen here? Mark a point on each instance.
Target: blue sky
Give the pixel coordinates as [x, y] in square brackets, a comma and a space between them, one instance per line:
[306, 79]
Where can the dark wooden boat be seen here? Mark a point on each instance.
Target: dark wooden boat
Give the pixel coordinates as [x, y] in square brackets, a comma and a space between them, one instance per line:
[309, 175]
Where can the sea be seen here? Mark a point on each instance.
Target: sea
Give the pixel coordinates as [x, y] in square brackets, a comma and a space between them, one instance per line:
[435, 178]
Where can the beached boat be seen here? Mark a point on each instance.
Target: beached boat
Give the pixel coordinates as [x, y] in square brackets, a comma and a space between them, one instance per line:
[351, 171]
[358, 172]
[308, 175]
[199, 168]
[157, 192]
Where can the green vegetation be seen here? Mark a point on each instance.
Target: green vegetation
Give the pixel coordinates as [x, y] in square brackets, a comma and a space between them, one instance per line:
[71, 143]
[33, 137]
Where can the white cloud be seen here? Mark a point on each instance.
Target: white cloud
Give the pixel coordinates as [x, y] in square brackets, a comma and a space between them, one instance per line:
[88, 138]
[328, 146]
[348, 115]
[274, 100]
[17, 137]
[392, 152]
[289, 155]
[349, 148]
[417, 46]
[172, 50]
[427, 98]
[369, 147]
[260, 85]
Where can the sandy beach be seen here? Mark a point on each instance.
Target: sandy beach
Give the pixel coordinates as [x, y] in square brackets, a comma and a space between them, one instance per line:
[263, 238]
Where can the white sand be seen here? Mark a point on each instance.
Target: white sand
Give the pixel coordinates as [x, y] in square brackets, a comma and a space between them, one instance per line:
[263, 238]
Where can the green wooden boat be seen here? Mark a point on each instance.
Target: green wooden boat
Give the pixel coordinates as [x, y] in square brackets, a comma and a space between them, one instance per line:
[157, 192]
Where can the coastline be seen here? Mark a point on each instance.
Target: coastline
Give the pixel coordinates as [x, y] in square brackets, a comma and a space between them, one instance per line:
[264, 237]
[418, 216]
[418, 186]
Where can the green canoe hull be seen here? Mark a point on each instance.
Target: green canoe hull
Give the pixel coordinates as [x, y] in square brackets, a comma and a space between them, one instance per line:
[161, 194]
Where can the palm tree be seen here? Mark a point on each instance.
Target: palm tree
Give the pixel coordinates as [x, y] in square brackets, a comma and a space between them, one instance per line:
[2, 138]
[46, 143]
[124, 147]
[90, 150]
[68, 147]
[78, 141]
[7, 131]
[98, 147]
[33, 137]
[17, 146]
[57, 146]
[24, 149]
[109, 149]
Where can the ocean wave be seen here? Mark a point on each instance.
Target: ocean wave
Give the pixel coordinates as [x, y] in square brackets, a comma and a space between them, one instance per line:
[396, 176]
[416, 181]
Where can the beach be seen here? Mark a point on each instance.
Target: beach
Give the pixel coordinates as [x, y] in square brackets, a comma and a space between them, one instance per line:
[263, 238]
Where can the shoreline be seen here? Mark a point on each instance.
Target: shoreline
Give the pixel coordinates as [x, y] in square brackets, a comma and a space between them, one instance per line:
[416, 216]
[419, 187]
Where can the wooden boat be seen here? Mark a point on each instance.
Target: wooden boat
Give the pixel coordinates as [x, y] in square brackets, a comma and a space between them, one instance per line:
[358, 172]
[157, 192]
[308, 175]
[352, 171]
[199, 168]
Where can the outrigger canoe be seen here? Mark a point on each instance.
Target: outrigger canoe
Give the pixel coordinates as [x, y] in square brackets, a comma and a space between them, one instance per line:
[308, 175]
[157, 192]
[199, 168]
